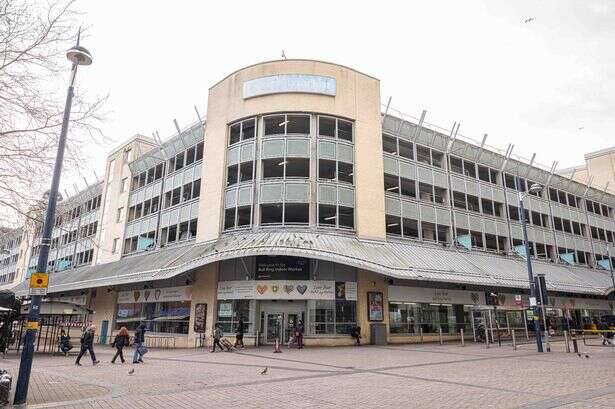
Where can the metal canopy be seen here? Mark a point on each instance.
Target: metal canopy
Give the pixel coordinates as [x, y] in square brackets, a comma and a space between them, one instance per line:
[397, 259]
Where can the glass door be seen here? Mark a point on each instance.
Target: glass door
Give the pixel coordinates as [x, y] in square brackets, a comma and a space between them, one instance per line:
[273, 326]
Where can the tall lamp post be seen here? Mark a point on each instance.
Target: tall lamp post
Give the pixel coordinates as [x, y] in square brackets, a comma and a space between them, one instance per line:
[78, 55]
[535, 188]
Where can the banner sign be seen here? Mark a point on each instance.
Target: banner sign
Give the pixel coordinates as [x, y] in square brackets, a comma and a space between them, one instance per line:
[290, 83]
[436, 295]
[375, 306]
[282, 267]
[286, 290]
[155, 295]
[200, 317]
[74, 299]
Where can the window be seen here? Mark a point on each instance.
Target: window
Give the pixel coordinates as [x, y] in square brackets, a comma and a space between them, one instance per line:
[273, 168]
[296, 213]
[326, 126]
[275, 125]
[405, 149]
[459, 200]
[326, 169]
[246, 171]
[335, 128]
[393, 225]
[437, 158]
[513, 213]
[124, 185]
[190, 155]
[199, 151]
[389, 144]
[487, 207]
[171, 317]
[115, 243]
[231, 311]
[271, 213]
[235, 134]
[127, 155]
[440, 195]
[298, 124]
[473, 203]
[298, 167]
[423, 155]
[510, 181]
[410, 228]
[456, 165]
[120, 215]
[327, 215]
[345, 172]
[426, 192]
[331, 316]
[344, 130]
[408, 187]
[469, 169]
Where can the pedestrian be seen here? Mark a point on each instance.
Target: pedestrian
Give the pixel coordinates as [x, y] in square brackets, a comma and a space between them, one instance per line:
[356, 334]
[87, 345]
[64, 343]
[239, 334]
[139, 344]
[299, 334]
[121, 340]
[217, 337]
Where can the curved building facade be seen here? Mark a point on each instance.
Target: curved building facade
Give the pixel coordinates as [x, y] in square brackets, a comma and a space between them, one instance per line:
[302, 198]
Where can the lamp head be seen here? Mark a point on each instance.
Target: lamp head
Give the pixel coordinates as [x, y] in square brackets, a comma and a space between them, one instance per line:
[79, 55]
[535, 188]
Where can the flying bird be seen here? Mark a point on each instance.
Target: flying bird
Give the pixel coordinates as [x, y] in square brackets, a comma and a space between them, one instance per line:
[264, 371]
[529, 20]
[581, 128]
[283, 54]
[131, 371]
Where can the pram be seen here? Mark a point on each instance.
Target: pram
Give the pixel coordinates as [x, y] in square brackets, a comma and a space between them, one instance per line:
[608, 338]
[227, 344]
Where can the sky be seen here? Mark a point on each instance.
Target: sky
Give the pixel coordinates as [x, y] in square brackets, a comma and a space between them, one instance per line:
[546, 85]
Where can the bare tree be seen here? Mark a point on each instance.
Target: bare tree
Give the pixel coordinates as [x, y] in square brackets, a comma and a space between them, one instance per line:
[34, 37]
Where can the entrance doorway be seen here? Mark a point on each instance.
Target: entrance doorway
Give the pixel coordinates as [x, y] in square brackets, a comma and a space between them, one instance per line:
[279, 319]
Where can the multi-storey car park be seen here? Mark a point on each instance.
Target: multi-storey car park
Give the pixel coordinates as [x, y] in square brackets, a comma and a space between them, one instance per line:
[302, 197]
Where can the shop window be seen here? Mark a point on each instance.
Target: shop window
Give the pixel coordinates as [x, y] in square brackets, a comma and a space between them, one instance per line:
[408, 187]
[423, 154]
[393, 225]
[246, 170]
[274, 125]
[344, 130]
[326, 169]
[298, 124]
[171, 317]
[297, 213]
[389, 144]
[406, 149]
[326, 126]
[345, 172]
[271, 213]
[327, 215]
[329, 317]
[297, 167]
[229, 312]
[273, 168]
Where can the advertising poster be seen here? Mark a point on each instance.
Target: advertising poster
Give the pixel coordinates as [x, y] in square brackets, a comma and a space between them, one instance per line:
[375, 305]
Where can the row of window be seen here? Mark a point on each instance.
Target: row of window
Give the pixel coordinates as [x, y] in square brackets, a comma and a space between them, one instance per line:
[181, 194]
[185, 158]
[405, 149]
[9, 260]
[143, 209]
[145, 178]
[88, 230]
[7, 278]
[290, 214]
[90, 205]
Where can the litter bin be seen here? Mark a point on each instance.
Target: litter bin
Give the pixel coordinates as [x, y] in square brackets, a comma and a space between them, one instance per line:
[378, 334]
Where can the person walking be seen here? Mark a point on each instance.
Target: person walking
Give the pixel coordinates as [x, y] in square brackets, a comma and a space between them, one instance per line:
[139, 345]
[87, 345]
[217, 337]
[239, 334]
[121, 340]
[299, 329]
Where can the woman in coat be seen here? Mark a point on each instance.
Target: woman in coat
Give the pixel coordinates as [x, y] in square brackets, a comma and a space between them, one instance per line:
[121, 340]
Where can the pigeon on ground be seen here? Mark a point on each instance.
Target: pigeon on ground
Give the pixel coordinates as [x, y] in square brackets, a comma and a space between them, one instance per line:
[131, 371]
[529, 20]
[586, 356]
[579, 355]
[264, 371]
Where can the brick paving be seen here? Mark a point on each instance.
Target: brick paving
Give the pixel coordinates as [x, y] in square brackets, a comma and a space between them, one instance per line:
[425, 376]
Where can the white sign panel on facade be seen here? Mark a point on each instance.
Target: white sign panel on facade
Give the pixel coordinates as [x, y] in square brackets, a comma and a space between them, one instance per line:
[155, 295]
[290, 83]
[436, 295]
[74, 299]
[286, 290]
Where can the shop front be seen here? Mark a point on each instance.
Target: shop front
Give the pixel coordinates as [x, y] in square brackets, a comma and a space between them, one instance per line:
[280, 292]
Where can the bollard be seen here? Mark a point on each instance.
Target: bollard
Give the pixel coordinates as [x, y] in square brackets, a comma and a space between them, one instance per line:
[584, 341]
[486, 337]
[575, 345]
[566, 341]
[421, 334]
[514, 340]
[440, 335]
[463, 340]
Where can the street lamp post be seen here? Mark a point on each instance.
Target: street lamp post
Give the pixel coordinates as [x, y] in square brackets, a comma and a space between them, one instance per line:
[78, 55]
[522, 195]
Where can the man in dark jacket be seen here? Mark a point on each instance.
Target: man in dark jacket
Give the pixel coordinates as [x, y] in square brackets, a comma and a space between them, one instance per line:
[239, 334]
[299, 329]
[87, 344]
[139, 345]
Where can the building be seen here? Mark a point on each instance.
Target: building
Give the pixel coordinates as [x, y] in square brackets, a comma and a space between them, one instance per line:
[599, 169]
[302, 197]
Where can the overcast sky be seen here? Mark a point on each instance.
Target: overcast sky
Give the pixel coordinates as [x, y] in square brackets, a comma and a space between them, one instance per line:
[532, 84]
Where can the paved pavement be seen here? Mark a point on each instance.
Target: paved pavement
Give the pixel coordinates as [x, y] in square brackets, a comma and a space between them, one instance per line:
[403, 376]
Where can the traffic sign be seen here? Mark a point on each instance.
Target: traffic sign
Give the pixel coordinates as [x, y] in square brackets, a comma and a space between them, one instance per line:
[39, 280]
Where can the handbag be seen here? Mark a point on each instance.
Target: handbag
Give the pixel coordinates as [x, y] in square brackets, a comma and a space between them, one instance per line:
[142, 350]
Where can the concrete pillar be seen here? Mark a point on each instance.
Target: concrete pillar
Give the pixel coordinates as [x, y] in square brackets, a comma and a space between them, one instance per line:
[368, 281]
[204, 290]
[104, 305]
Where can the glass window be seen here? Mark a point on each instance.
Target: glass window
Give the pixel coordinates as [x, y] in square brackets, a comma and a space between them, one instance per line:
[456, 165]
[196, 188]
[229, 218]
[439, 195]
[411, 228]
[248, 129]
[235, 134]
[423, 155]
[275, 125]
[459, 200]
[344, 130]
[326, 169]
[297, 213]
[298, 124]
[199, 151]
[346, 217]
[473, 203]
[231, 311]
[330, 317]
[426, 192]
[271, 213]
[344, 172]
[326, 126]
[246, 170]
[483, 173]
[393, 225]
[244, 215]
[405, 149]
[389, 144]
[408, 187]
[171, 317]
[179, 161]
[437, 158]
[190, 154]
[298, 167]
[273, 168]
[327, 215]
[469, 169]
